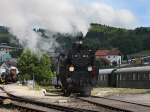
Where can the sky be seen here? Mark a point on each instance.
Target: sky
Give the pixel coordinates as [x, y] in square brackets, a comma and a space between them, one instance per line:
[140, 8]
[69, 16]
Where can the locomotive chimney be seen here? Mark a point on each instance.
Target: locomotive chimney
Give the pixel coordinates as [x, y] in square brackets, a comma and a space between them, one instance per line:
[80, 38]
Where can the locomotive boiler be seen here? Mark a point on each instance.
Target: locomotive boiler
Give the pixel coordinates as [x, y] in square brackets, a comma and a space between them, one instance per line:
[76, 70]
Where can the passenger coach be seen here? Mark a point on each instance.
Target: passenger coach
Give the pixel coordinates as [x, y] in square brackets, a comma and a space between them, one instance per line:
[133, 77]
[106, 78]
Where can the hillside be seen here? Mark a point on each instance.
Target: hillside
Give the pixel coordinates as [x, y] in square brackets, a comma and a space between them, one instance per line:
[100, 37]
[128, 41]
[6, 37]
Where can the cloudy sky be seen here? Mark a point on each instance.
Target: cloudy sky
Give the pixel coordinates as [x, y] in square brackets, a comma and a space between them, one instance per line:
[140, 8]
[69, 16]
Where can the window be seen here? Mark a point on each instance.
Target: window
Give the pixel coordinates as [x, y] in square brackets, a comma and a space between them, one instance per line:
[145, 76]
[120, 77]
[117, 77]
[139, 76]
[134, 76]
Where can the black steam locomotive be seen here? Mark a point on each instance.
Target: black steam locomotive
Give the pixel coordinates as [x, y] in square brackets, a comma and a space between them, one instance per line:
[76, 70]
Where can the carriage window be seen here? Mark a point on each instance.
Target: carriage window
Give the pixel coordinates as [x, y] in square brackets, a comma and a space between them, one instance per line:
[134, 76]
[100, 77]
[117, 77]
[104, 77]
[120, 77]
[145, 76]
[149, 75]
[124, 76]
[130, 76]
[139, 75]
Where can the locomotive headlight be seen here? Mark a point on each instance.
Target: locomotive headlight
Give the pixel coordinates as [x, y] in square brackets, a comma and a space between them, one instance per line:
[80, 42]
[71, 68]
[90, 68]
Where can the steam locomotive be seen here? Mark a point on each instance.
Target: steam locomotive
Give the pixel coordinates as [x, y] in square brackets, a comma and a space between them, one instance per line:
[76, 70]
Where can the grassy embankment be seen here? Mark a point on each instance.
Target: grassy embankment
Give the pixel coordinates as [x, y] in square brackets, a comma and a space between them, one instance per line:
[117, 91]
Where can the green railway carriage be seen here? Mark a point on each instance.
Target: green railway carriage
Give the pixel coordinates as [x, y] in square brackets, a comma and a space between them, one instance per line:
[106, 78]
[133, 77]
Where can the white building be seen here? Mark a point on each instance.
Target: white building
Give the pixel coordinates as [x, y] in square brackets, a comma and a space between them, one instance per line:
[113, 56]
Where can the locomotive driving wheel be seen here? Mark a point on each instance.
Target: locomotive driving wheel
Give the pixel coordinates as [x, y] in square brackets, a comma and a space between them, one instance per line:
[67, 91]
[86, 91]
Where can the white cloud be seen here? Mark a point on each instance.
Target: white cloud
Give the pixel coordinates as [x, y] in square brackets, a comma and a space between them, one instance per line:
[105, 14]
[58, 16]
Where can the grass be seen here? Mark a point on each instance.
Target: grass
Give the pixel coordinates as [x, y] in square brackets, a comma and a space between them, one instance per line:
[117, 91]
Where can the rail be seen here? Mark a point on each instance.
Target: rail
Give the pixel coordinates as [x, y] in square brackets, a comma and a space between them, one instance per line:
[117, 105]
[38, 106]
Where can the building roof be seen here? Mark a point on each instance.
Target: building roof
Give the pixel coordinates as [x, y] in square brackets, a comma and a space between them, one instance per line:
[134, 69]
[107, 52]
[3, 45]
[101, 52]
[105, 71]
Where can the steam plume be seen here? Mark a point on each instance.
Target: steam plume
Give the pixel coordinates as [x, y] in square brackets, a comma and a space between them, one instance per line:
[64, 16]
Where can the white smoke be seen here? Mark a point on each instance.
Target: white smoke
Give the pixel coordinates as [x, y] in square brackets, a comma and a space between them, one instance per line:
[64, 16]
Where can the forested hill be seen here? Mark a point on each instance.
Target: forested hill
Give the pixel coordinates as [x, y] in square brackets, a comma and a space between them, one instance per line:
[6, 37]
[128, 41]
[102, 37]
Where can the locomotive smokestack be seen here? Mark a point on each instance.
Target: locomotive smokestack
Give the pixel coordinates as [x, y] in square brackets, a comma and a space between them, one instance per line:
[80, 38]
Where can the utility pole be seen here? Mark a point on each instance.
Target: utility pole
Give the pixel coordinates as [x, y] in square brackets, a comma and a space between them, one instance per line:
[33, 85]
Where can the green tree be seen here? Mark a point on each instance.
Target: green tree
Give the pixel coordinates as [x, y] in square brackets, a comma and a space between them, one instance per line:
[30, 65]
[43, 70]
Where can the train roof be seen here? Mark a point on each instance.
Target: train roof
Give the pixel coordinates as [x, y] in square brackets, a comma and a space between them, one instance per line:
[105, 71]
[134, 69]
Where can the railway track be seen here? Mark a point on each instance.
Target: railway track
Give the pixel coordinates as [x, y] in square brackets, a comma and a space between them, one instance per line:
[76, 104]
[117, 105]
[24, 105]
[20, 104]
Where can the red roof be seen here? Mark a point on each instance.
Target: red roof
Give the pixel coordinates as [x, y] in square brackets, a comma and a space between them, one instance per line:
[107, 52]
[102, 52]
